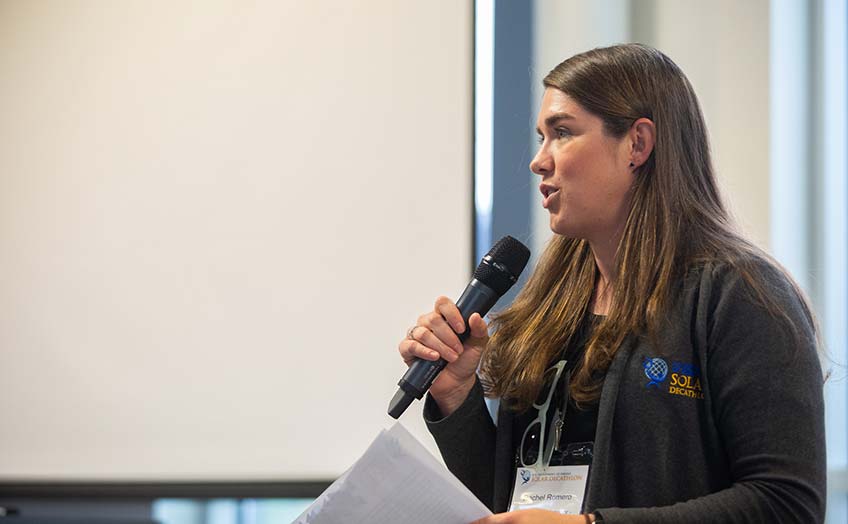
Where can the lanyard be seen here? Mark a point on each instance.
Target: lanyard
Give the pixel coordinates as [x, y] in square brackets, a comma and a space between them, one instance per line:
[559, 423]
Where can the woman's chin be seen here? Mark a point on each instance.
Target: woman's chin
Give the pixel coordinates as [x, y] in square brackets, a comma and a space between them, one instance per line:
[568, 230]
[561, 227]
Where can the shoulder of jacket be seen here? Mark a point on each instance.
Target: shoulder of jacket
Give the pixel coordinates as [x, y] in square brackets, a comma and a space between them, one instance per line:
[722, 273]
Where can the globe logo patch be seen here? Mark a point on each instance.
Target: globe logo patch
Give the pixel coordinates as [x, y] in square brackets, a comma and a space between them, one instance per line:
[656, 369]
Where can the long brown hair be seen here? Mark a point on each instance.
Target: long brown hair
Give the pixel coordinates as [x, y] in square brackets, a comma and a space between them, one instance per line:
[677, 218]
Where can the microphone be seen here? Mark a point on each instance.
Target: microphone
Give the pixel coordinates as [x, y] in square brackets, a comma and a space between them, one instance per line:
[497, 272]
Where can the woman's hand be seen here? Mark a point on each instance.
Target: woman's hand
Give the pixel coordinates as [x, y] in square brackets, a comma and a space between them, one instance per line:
[534, 516]
[434, 337]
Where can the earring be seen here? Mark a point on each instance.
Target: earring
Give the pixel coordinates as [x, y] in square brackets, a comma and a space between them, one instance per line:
[631, 164]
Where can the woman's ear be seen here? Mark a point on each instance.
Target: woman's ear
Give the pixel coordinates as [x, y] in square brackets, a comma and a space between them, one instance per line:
[642, 137]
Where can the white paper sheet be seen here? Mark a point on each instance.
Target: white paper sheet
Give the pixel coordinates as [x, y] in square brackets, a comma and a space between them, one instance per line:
[396, 480]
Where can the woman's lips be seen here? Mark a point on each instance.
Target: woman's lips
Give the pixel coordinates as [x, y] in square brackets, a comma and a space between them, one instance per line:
[548, 192]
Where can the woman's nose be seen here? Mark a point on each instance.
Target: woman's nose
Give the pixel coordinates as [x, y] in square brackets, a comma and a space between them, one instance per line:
[542, 163]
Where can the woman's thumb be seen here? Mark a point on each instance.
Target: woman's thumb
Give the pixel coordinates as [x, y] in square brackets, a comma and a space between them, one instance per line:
[478, 327]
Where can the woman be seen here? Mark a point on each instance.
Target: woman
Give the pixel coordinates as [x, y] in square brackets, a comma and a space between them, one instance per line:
[684, 359]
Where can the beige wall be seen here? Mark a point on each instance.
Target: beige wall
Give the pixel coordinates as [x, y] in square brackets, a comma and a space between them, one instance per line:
[722, 46]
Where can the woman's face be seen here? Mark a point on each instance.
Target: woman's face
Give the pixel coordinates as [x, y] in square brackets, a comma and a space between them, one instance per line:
[586, 174]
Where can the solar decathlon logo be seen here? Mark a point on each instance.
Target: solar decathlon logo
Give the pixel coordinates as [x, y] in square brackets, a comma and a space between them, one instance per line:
[686, 380]
[656, 369]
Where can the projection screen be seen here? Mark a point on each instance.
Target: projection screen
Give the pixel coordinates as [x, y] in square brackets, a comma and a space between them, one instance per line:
[218, 220]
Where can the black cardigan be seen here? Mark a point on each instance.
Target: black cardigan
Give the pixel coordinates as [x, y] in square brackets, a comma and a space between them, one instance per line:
[720, 420]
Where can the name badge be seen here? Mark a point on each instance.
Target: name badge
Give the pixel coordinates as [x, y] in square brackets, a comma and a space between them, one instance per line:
[557, 488]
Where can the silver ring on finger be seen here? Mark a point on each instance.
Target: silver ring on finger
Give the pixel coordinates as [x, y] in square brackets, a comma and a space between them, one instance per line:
[409, 332]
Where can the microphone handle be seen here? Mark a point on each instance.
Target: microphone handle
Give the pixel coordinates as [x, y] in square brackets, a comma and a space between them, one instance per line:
[477, 298]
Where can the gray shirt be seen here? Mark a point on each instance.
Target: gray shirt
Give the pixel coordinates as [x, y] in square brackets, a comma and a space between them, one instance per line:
[721, 419]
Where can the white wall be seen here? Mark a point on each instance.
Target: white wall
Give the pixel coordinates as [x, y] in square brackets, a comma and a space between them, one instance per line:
[210, 216]
[722, 46]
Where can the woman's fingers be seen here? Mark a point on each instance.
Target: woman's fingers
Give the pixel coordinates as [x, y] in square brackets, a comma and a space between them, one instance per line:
[443, 322]
[433, 334]
[443, 332]
[448, 310]
[412, 349]
[427, 340]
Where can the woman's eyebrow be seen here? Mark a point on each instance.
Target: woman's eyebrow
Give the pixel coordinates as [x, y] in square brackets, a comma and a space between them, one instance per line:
[554, 118]
[551, 120]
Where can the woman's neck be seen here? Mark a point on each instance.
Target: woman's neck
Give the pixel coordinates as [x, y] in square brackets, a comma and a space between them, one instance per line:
[604, 254]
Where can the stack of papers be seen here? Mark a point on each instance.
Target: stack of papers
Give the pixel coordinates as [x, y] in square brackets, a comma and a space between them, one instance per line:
[396, 480]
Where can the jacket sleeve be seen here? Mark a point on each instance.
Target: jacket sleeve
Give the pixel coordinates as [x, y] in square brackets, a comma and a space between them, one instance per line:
[466, 439]
[767, 397]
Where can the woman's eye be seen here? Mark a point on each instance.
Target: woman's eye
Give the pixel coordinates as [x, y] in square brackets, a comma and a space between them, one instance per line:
[560, 133]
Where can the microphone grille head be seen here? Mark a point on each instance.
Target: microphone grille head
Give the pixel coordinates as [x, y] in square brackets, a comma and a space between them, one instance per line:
[502, 265]
[511, 253]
